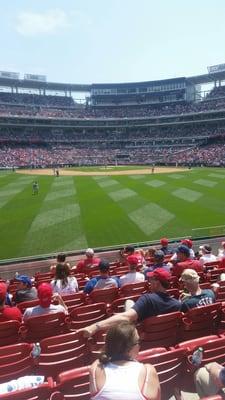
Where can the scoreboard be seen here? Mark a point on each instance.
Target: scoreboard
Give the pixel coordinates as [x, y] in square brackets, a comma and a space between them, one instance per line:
[9, 75]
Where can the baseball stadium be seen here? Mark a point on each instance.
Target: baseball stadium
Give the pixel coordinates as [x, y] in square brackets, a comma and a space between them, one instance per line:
[134, 166]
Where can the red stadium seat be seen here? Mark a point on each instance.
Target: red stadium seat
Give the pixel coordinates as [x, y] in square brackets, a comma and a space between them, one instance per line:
[134, 289]
[75, 300]
[36, 328]
[25, 304]
[174, 293]
[86, 315]
[15, 361]
[74, 384]
[9, 332]
[170, 366]
[192, 344]
[201, 321]
[104, 295]
[162, 330]
[117, 305]
[44, 391]
[61, 353]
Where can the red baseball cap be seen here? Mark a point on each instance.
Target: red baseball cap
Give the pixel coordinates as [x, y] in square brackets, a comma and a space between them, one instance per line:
[45, 294]
[133, 260]
[164, 241]
[3, 291]
[187, 242]
[161, 274]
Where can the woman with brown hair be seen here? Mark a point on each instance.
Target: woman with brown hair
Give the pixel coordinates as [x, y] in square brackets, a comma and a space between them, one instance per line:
[117, 375]
[62, 282]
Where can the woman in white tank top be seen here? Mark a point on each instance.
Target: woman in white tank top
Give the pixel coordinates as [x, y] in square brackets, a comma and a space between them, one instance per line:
[117, 375]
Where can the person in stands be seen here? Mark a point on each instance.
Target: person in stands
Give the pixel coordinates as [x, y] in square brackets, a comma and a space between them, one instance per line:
[133, 276]
[62, 282]
[61, 258]
[165, 246]
[195, 297]
[103, 281]
[210, 380]
[117, 374]
[85, 266]
[158, 262]
[7, 313]
[184, 261]
[148, 305]
[221, 251]
[25, 291]
[207, 256]
[45, 296]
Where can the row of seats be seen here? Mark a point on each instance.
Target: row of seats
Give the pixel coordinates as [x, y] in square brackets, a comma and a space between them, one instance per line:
[173, 366]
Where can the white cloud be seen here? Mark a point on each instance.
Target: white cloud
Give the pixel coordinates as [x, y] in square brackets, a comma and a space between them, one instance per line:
[48, 22]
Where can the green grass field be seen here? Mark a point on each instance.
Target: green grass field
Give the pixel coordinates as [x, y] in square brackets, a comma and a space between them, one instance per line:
[75, 212]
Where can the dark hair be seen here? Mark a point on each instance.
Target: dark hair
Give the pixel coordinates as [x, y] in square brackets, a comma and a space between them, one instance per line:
[62, 272]
[104, 266]
[119, 341]
[61, 258]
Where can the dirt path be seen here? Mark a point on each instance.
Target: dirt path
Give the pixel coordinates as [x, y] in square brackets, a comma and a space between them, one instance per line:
[64, 172]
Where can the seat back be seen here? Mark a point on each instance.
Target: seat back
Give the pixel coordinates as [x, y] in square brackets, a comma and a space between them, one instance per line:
[74, 300]
[74, 384]
[201, 321]
[87, 315]
[104, 295]
[170, 366]
[25, 304]
[40, 327]
[117, 305]
[9, 332]
[61, 353]
[134, 289]
[162, 330]
[15, 361]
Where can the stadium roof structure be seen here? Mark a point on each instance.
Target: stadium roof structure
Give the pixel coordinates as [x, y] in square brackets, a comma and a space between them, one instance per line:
[73, 87]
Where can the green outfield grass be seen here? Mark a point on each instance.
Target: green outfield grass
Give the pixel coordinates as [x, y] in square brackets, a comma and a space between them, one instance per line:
[75, 212]
[108, 168]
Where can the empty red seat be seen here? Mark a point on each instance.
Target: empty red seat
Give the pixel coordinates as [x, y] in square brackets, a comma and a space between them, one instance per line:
[15, 361]
[86, 315]
[9, 332]
[74, 384]
[61, 353]
[36, 328]
[134, 289]
[201, 321]
[162, 330]
[75, 300]
[104, 295]
[117, 305]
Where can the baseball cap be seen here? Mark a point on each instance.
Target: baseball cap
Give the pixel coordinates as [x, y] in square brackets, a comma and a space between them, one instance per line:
[187, 242]
[90, 251]
[161, 274]
[222, 376]
[164, 241]
[133, 260]
[45, 294]
[159, 254]
[189, 275]
[206, 248]
[3, 291]
[183, 249]
[104, 266]
[24, 279]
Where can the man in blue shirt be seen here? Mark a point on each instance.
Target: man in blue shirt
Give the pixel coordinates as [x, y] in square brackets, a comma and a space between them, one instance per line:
[196, 297]
[103, 281]
[148, 305]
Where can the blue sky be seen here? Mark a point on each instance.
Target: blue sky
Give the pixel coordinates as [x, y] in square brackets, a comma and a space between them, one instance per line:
[92, 41]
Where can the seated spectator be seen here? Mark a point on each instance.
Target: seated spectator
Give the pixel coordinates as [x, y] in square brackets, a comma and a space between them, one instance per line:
[165, 246]
[62, 282]
[207, 255]
[117, 375]
[195, 297]
[45, 296]
[25, 291]
[133, 276]
[89, 262]
[148, 305]
[150, 252]
[131, 251]
[103, 281]
[60, 259]
[189, 244]
[157, 263]
[7, 313]
[184, 261]
[221, 251]
[210, 380]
